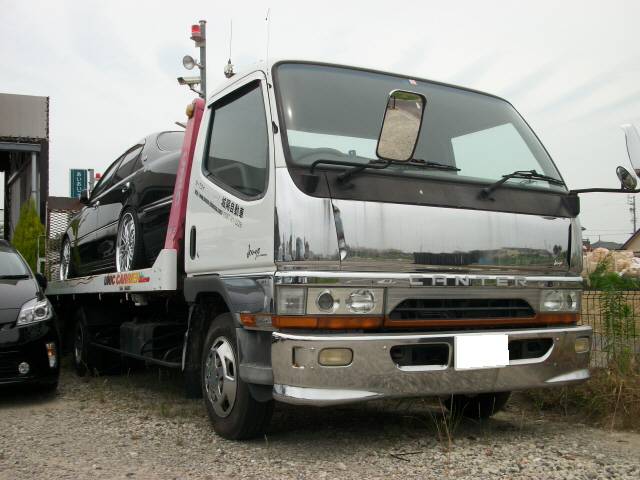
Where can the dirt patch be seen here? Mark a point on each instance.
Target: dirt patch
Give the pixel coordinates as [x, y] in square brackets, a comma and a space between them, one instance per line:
[139, 426]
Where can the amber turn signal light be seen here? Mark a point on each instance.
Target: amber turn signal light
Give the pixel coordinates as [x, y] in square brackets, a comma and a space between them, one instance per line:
[328, 322]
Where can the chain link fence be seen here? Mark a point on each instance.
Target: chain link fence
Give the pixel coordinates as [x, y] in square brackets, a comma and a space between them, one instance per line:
[614, 316]
[57, 222]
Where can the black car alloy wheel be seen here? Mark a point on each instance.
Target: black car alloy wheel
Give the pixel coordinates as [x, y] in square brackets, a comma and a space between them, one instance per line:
[128, 242]
[65, 259]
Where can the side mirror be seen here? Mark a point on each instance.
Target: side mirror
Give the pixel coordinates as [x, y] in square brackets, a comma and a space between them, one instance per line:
[84, 197]
[627, 180]
[401, 126]
[633, 146]
[42, 281]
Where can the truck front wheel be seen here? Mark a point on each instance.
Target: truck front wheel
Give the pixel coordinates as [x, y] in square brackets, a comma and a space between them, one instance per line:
[234, 413]
[477, 407]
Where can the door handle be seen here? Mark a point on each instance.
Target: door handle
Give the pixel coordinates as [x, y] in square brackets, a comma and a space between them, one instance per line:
[192, 243]
[126, 187]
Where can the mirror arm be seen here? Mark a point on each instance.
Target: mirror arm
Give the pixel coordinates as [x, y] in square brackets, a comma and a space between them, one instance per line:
[602, 190]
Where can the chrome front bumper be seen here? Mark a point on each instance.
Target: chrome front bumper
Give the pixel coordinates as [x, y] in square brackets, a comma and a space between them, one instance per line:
[373, 374]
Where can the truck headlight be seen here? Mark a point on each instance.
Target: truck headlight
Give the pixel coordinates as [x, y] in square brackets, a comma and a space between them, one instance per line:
[560, 300]
[345, 301]
[329, 301]
[326, 303]
[360, 301]
[35, 310]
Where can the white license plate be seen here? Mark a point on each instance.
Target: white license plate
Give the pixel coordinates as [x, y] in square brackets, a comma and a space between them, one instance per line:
[475, 351]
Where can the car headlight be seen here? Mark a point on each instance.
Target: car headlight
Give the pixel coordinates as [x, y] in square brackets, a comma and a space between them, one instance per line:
[35, 310]
[560, 300]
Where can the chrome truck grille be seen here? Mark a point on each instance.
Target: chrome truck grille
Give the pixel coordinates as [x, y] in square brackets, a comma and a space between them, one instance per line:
[461, 308]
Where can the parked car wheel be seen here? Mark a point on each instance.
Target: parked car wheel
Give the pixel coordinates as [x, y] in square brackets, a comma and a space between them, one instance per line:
[66, 260]
[234, 413]
[129, 249]
[478, 407]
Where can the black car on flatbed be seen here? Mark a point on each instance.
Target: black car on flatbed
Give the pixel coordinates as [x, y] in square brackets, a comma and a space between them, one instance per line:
[123, 223]
[29, 339]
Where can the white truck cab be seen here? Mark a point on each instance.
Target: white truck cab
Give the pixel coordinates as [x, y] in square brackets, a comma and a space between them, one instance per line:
[350, 235]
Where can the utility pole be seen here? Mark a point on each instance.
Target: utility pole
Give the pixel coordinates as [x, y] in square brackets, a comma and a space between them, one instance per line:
[631, 201]
[199, 36]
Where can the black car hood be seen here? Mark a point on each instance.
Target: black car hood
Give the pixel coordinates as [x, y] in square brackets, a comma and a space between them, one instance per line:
[14, 294]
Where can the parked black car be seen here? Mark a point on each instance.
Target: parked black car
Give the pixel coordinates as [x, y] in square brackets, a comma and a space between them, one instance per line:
[29, 339]
[124, 221]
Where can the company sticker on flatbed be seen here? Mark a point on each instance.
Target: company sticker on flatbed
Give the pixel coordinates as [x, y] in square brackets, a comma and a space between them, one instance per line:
[125, 278]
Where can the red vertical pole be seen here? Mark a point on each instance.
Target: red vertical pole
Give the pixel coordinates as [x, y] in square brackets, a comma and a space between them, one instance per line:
[175, 229]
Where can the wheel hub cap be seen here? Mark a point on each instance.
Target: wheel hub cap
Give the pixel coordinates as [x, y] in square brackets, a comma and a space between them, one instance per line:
[125, 246]
[65, 260]
[220, 377]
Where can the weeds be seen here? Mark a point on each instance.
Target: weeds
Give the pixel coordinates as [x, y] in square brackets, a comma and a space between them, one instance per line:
[610, 398]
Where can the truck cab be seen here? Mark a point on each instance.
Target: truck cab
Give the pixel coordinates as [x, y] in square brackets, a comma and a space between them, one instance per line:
[353, 234]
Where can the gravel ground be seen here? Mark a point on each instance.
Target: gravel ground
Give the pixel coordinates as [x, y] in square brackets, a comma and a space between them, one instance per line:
[139, 426]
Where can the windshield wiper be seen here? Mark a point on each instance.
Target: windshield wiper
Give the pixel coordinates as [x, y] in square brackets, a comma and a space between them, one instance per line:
[524, 174]
[380, 164]
[13, 277]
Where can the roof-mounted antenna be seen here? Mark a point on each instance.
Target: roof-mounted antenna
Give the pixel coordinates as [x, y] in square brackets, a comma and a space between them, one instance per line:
[268, 20]
[228, 68]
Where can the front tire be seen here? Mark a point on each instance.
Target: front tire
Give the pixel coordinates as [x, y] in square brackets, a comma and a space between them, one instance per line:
[478, 407]
[129, 249]
[234, 413]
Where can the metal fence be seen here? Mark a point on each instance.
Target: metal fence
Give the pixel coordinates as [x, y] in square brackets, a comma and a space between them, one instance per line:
[615, 319]
[57, 223]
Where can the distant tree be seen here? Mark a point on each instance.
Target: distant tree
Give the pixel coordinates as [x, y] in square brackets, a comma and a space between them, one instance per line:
[28, 231]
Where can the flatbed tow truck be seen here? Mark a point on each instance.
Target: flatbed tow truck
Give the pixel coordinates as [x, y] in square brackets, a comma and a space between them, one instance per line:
[313, 258]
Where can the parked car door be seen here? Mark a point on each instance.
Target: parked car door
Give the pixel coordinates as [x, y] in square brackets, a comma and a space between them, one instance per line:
[87, 223]
[82, 233]
[231, 204]
[121, 186]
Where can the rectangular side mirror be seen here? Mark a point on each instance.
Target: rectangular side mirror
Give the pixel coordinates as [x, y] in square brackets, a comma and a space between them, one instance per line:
[401, 126]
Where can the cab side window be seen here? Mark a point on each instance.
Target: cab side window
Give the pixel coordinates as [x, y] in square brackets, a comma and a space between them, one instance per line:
[238, 144]
[130, 163]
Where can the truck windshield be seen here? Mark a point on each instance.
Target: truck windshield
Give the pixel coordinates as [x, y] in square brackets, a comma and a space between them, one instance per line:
[335, 113]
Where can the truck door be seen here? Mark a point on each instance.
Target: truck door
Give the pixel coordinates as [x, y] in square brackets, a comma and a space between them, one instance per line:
[230, 210]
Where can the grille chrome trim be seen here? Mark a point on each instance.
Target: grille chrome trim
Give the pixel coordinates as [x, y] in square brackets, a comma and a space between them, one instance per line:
[461, 308]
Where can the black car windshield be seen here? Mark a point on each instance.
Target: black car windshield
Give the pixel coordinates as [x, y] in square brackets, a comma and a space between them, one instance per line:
[335, 113]
[11, 264]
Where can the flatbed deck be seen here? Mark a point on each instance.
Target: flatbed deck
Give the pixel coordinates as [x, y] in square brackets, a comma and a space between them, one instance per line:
[162, 276]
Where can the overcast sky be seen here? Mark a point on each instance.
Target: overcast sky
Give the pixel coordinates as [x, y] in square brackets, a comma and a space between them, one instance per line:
[572, 68]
